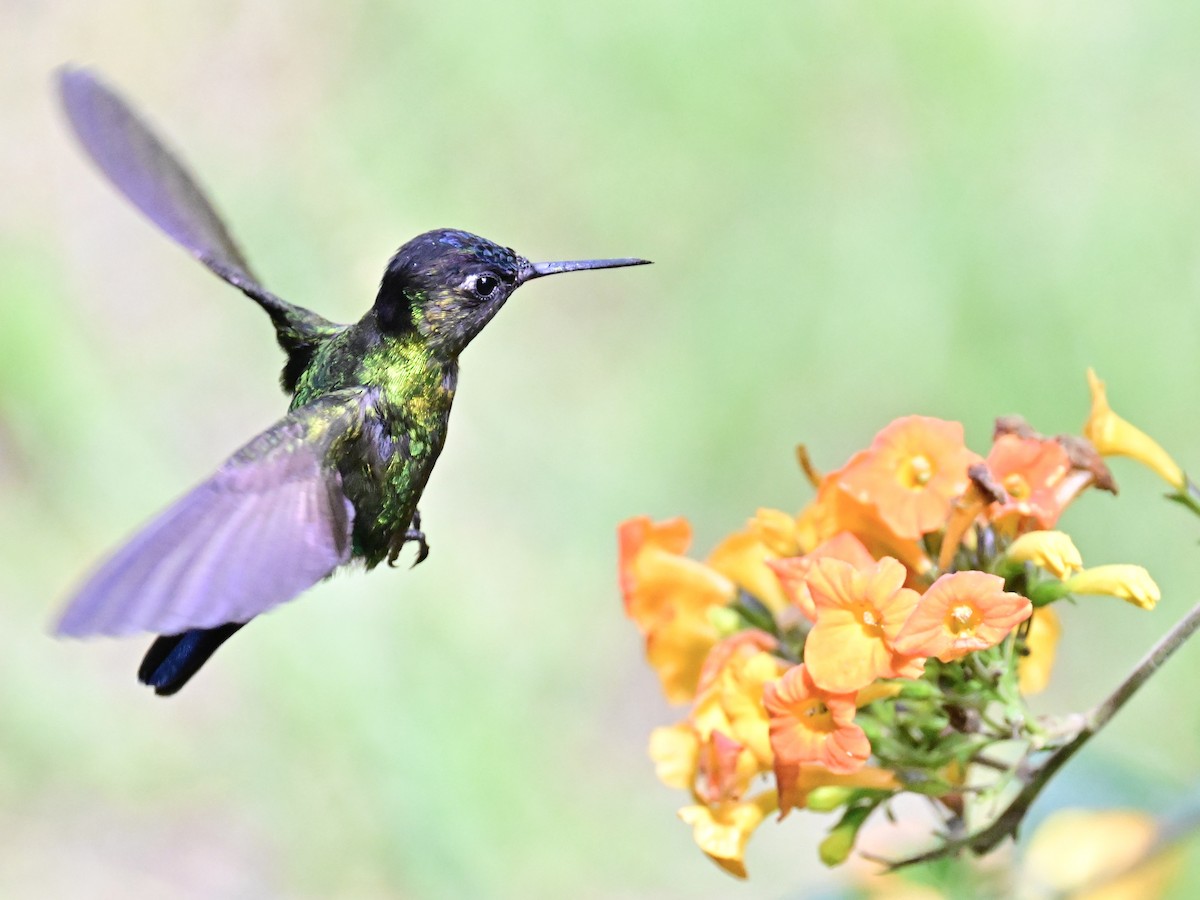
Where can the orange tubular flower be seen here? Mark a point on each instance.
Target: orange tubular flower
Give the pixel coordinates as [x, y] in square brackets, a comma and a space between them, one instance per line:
[812, 726]
[792, 572]
[966, 510]
[796, 782]
[859, 615]
[960, 613]
[670, 597]
[912, 472]
[1030, 470]
[835, 510]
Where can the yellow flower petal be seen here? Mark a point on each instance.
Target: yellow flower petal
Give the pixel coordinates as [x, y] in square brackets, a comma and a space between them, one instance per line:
[722, 831]
[879, 690]
[1053, 551]
[1131, 583]
[675, 750]
[1113, 436]
[742, 558]
[859, 614]
[1088, 854]
[777, 531]
[1033, 669]
[729, 697]
[671, 599]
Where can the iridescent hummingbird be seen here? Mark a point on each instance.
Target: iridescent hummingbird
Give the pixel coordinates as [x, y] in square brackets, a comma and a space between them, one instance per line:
[338, 479]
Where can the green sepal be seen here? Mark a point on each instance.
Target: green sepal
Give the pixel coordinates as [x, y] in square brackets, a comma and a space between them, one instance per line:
[755, 613]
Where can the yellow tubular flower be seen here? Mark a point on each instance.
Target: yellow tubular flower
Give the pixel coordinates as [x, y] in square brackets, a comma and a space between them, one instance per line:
[722, 831]
[729, 698]
[1053, 551]
[1094, 854]
[1131, 583]
[742, 558]
[1113, 436]
[675, 750]
[1033, 670]
[777, 531]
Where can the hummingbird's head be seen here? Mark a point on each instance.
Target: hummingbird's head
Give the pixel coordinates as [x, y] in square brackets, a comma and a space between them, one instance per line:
[448, 284]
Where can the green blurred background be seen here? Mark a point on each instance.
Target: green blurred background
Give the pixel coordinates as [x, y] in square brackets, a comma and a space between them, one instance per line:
[856, 212]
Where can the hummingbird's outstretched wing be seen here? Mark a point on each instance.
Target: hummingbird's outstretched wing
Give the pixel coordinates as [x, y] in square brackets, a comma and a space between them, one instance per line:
[272, 522]
[141, 167]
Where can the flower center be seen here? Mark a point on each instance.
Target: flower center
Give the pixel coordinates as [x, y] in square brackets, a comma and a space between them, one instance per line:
[962, 619]
[816, 708]
[918, 470]
[1017, 487]
[871, 621]
[816, 718]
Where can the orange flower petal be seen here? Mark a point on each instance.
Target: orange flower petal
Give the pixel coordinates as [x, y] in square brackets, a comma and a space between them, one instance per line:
[669, 597]
[809, 725]
[744, 643]
[1030, 470]
[634, 535]
[835, 511]
[859, 614]
[962, 612]
[791, 572]
[912, 472]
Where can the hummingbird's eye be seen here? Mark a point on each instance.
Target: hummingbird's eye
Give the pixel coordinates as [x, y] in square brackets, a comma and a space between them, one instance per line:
[485, 284]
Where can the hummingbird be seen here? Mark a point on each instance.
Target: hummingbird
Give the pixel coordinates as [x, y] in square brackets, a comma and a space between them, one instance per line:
[335, 482]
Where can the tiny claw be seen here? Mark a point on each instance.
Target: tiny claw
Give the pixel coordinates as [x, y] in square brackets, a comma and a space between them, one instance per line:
[422, 545]
[413, 533]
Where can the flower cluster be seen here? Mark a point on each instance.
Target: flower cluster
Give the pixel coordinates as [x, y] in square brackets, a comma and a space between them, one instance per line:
[881, 640]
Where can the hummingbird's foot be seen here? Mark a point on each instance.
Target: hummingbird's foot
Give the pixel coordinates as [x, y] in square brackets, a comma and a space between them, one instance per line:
[413, 533]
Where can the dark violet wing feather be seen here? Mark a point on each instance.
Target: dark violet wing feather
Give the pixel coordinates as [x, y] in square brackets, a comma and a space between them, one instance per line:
[142, 168]
[271, 522]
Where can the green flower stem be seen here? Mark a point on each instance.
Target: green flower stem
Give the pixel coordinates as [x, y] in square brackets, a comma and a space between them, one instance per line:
[1035, 778]
[1188, 495]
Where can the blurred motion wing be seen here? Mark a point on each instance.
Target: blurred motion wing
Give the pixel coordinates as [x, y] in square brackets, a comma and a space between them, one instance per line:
[272, 522]
[144, 170]
[141, 167]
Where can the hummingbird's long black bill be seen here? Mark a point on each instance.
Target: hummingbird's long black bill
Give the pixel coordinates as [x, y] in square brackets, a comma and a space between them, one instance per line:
[578, 265]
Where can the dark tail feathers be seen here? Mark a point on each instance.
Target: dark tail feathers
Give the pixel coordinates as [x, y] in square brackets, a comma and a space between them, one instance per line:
[174, 658]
